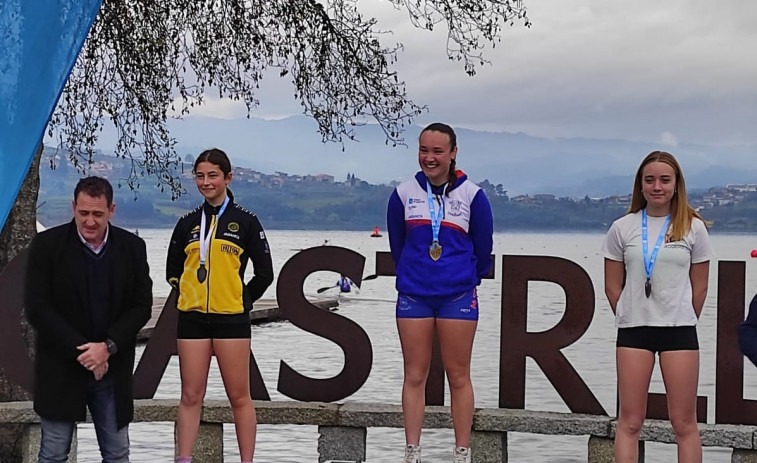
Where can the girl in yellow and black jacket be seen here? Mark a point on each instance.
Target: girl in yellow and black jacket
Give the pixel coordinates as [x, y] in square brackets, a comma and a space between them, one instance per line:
[238, 236]
[207, 258]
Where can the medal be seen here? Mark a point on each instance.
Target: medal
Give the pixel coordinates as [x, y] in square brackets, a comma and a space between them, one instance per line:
[649, 261]
[435, 250]
[202, 272]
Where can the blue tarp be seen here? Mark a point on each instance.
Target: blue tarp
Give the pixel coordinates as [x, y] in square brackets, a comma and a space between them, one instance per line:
[39, 43]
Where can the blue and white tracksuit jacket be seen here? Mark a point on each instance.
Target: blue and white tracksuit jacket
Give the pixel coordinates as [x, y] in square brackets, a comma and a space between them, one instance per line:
[465, 236]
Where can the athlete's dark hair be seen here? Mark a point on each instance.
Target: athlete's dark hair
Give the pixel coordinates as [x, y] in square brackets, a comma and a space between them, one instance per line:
[215, 157]
[445, 129]
[95, 187]
[218, 158]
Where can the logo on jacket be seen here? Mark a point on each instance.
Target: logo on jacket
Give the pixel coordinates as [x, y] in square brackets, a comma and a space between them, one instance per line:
[233, 227]
[455, 207]
[225, 248]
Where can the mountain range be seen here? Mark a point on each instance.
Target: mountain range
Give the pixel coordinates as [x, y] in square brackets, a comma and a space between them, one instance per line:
[523, 164]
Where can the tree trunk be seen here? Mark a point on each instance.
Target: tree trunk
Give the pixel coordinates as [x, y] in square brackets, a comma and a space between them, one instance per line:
[16, 235]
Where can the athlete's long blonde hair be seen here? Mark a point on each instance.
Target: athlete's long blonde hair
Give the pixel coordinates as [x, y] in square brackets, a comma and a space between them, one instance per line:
[681, 213]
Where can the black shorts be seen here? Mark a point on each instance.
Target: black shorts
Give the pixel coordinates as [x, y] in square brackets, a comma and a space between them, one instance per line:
[211, 327]
[659, 338]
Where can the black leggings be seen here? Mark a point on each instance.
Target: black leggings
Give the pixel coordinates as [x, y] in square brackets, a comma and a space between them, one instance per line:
[210, 327]
[659, 338]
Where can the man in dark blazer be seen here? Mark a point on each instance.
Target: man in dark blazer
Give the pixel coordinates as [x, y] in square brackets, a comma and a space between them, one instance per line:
[88, 292]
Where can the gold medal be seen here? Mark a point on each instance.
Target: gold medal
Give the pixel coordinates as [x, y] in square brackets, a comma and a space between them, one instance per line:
[435, 250]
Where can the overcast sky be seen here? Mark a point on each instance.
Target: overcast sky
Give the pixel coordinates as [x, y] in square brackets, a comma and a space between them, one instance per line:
[673, 71]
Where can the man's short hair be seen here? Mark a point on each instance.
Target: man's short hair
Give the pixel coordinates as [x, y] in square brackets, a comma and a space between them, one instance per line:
[95, 187]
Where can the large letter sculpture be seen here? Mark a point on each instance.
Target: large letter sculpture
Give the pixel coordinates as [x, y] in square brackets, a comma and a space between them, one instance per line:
[731, 406]
[353, 340]
[516, 343]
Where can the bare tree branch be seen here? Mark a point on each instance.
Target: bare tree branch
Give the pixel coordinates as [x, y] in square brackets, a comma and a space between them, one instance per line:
[470, 23]
[146, 62]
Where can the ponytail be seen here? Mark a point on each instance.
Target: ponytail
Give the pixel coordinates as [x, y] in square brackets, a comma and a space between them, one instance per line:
[451, 177]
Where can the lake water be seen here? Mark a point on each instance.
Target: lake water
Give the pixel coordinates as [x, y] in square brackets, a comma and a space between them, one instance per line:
[373, 309]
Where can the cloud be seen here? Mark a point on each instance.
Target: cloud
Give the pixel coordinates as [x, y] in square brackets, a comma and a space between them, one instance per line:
[218, 108]
[667, 138]
[586, 68]
[650, 66]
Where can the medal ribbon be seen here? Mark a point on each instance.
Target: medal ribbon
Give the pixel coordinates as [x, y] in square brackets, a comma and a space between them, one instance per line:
[650, 261]
[436, 219]
[205, 240]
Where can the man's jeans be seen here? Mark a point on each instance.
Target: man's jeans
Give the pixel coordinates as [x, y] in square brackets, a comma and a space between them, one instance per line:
[114, 443]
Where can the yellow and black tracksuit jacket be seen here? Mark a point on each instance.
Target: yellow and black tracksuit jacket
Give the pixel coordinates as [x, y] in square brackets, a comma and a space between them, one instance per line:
[238, 237]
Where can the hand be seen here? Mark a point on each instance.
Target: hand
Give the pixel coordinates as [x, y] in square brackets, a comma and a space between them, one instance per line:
[94, 355]
[100, 371]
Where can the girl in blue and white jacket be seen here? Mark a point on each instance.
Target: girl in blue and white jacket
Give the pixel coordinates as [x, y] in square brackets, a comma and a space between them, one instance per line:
[440, 233]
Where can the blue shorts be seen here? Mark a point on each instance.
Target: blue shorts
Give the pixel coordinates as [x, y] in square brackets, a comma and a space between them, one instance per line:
[458, 307]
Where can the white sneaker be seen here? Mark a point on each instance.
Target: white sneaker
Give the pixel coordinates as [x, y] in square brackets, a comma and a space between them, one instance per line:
[462, 455]
[412, 453]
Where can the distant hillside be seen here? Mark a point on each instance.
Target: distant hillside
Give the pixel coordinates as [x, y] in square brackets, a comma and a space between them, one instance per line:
[284, 201]
[522, 163]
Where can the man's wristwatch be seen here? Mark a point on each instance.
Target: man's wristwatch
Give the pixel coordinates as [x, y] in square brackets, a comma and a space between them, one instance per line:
[111, 345]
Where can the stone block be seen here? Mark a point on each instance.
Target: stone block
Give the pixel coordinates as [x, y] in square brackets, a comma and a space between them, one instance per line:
[293, 412]
[370, 415]
[155, 410]
[601, 450]
[209, 443]
[744, 456]
[658, 431]
[437, 417]
[653, 431]
[727, 435]
[341, 443]
[18, 412]
[30, 444]
[535, 422]
[712, 435]
[343, 428]
[489, 447]
[216, 411]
